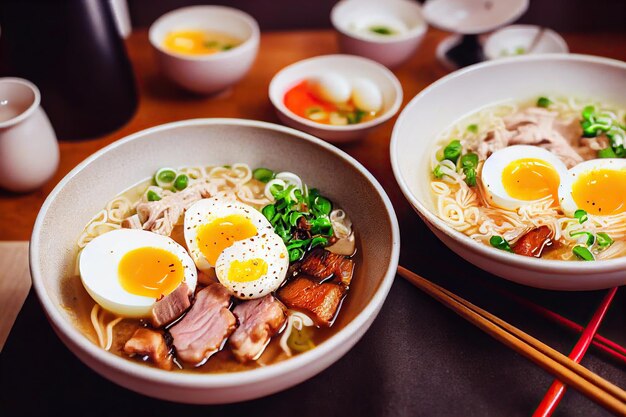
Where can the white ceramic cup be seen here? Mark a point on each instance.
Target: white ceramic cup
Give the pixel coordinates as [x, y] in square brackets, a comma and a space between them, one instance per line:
[29, 152]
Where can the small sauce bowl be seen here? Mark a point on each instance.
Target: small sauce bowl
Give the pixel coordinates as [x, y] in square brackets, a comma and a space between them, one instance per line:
[349, 67]
[206, 74]
[518, 39]
[356, 22]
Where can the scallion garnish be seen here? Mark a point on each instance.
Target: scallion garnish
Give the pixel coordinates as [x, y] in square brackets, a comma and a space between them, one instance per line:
[606, 153]
[583, 253]
[473, 128]
[165, 177]
[469, 163]
[181, 182]
[544, 102]
[452, 151]
[153, 196]
[583, 237]
[437, 172]
[581, 215]
[500, 243]
[604, 240]
[263, 174]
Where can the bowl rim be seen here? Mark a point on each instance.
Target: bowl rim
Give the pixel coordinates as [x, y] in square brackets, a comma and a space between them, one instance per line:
[216, 380]
[531, 264]
[279, 105]
[251, 42]
[492, 38]
[415, 32]
[31, 108]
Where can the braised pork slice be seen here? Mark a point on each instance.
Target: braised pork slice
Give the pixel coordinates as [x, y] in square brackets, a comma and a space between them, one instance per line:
[150, 344]
[533, 242]
[206, 326]
[170, 307]
[322, 264]
[259, 320]
[320, 300]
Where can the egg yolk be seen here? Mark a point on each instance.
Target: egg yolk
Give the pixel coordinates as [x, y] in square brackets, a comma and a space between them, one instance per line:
[601, 191]
[246, 271]
[531, 179]
[198, 42]
[221, 233]
[150, 272]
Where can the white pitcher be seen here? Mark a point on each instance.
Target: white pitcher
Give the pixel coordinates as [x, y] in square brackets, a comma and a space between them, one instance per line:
[29, 151]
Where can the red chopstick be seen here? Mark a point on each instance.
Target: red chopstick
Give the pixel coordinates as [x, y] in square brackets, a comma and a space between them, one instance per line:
[606, 345]
[557, 389]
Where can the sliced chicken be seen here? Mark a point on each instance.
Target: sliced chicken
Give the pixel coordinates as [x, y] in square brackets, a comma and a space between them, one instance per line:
[205, 328]
[151, 344]
[320, 301]
[259, 320]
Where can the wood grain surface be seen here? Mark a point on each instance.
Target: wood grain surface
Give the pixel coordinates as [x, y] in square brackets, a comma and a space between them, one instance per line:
[14, 284]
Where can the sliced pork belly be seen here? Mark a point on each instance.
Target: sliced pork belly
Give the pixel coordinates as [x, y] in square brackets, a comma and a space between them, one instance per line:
[170, 307]
[259, 320]
[322, 264]
[206, 326]
[320, 301]
[150, 343]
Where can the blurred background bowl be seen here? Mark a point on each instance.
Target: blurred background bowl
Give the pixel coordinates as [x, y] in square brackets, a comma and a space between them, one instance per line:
[349, 67]
[466, 91]
[206, 74]
[354, 19]
[518, 39]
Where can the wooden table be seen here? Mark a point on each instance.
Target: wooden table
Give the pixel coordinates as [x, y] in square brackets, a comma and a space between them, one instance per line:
[431, 361]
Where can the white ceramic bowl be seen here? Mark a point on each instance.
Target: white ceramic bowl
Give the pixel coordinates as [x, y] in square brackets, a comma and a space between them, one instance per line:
[352, 18]
[206, 74]
[89, 186]
[348, 66]
[464, 92]
[509, 40]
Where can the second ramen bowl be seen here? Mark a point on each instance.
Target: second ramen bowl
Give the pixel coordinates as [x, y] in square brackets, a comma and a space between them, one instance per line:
[468, 90]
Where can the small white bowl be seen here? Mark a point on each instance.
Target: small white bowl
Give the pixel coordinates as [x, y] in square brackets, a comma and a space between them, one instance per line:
[468, 90]
[350, 67]
[516, 39]
[351, 18]
[206, 74]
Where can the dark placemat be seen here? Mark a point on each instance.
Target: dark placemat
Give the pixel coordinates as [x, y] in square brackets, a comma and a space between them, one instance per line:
[417, 359]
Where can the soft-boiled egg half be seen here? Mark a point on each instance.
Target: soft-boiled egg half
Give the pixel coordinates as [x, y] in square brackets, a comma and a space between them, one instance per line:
[250, 259]
[127, 270]
[336, 89]
[519, 175]
[597, 186]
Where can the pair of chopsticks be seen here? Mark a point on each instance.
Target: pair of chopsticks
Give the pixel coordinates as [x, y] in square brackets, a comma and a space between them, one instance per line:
[569, 372]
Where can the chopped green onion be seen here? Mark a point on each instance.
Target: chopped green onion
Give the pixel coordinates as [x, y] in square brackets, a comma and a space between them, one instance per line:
[269, 212]
[473, 128]
[295, 254]
[544, 102]
[589, 238]
[382, 30]
[165, 177]
[322, 205]
[153, 196]
[263, 174]
[437, 172]
[294, 216]
[469, 160]
[227, 47]
[181, 182]
[500, 243]
[583, 253]
[355, 116]
[300, 340]
[604, 240]
[606, 153]
[318, 241]
[294, 244]
[588, 112]
[470, 176]
[453, 151]
[581, 215]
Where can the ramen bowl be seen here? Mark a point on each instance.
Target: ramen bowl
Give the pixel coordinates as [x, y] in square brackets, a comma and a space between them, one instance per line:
[215, 142]
[206, 74]
[349, 67]
[468, 90]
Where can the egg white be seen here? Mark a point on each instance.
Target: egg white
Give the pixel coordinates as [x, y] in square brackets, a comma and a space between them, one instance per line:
[206, 211]
[331, 87]
[566, 200]
[269, 247]
[366, 95]
[491, 174]
[99, 262]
